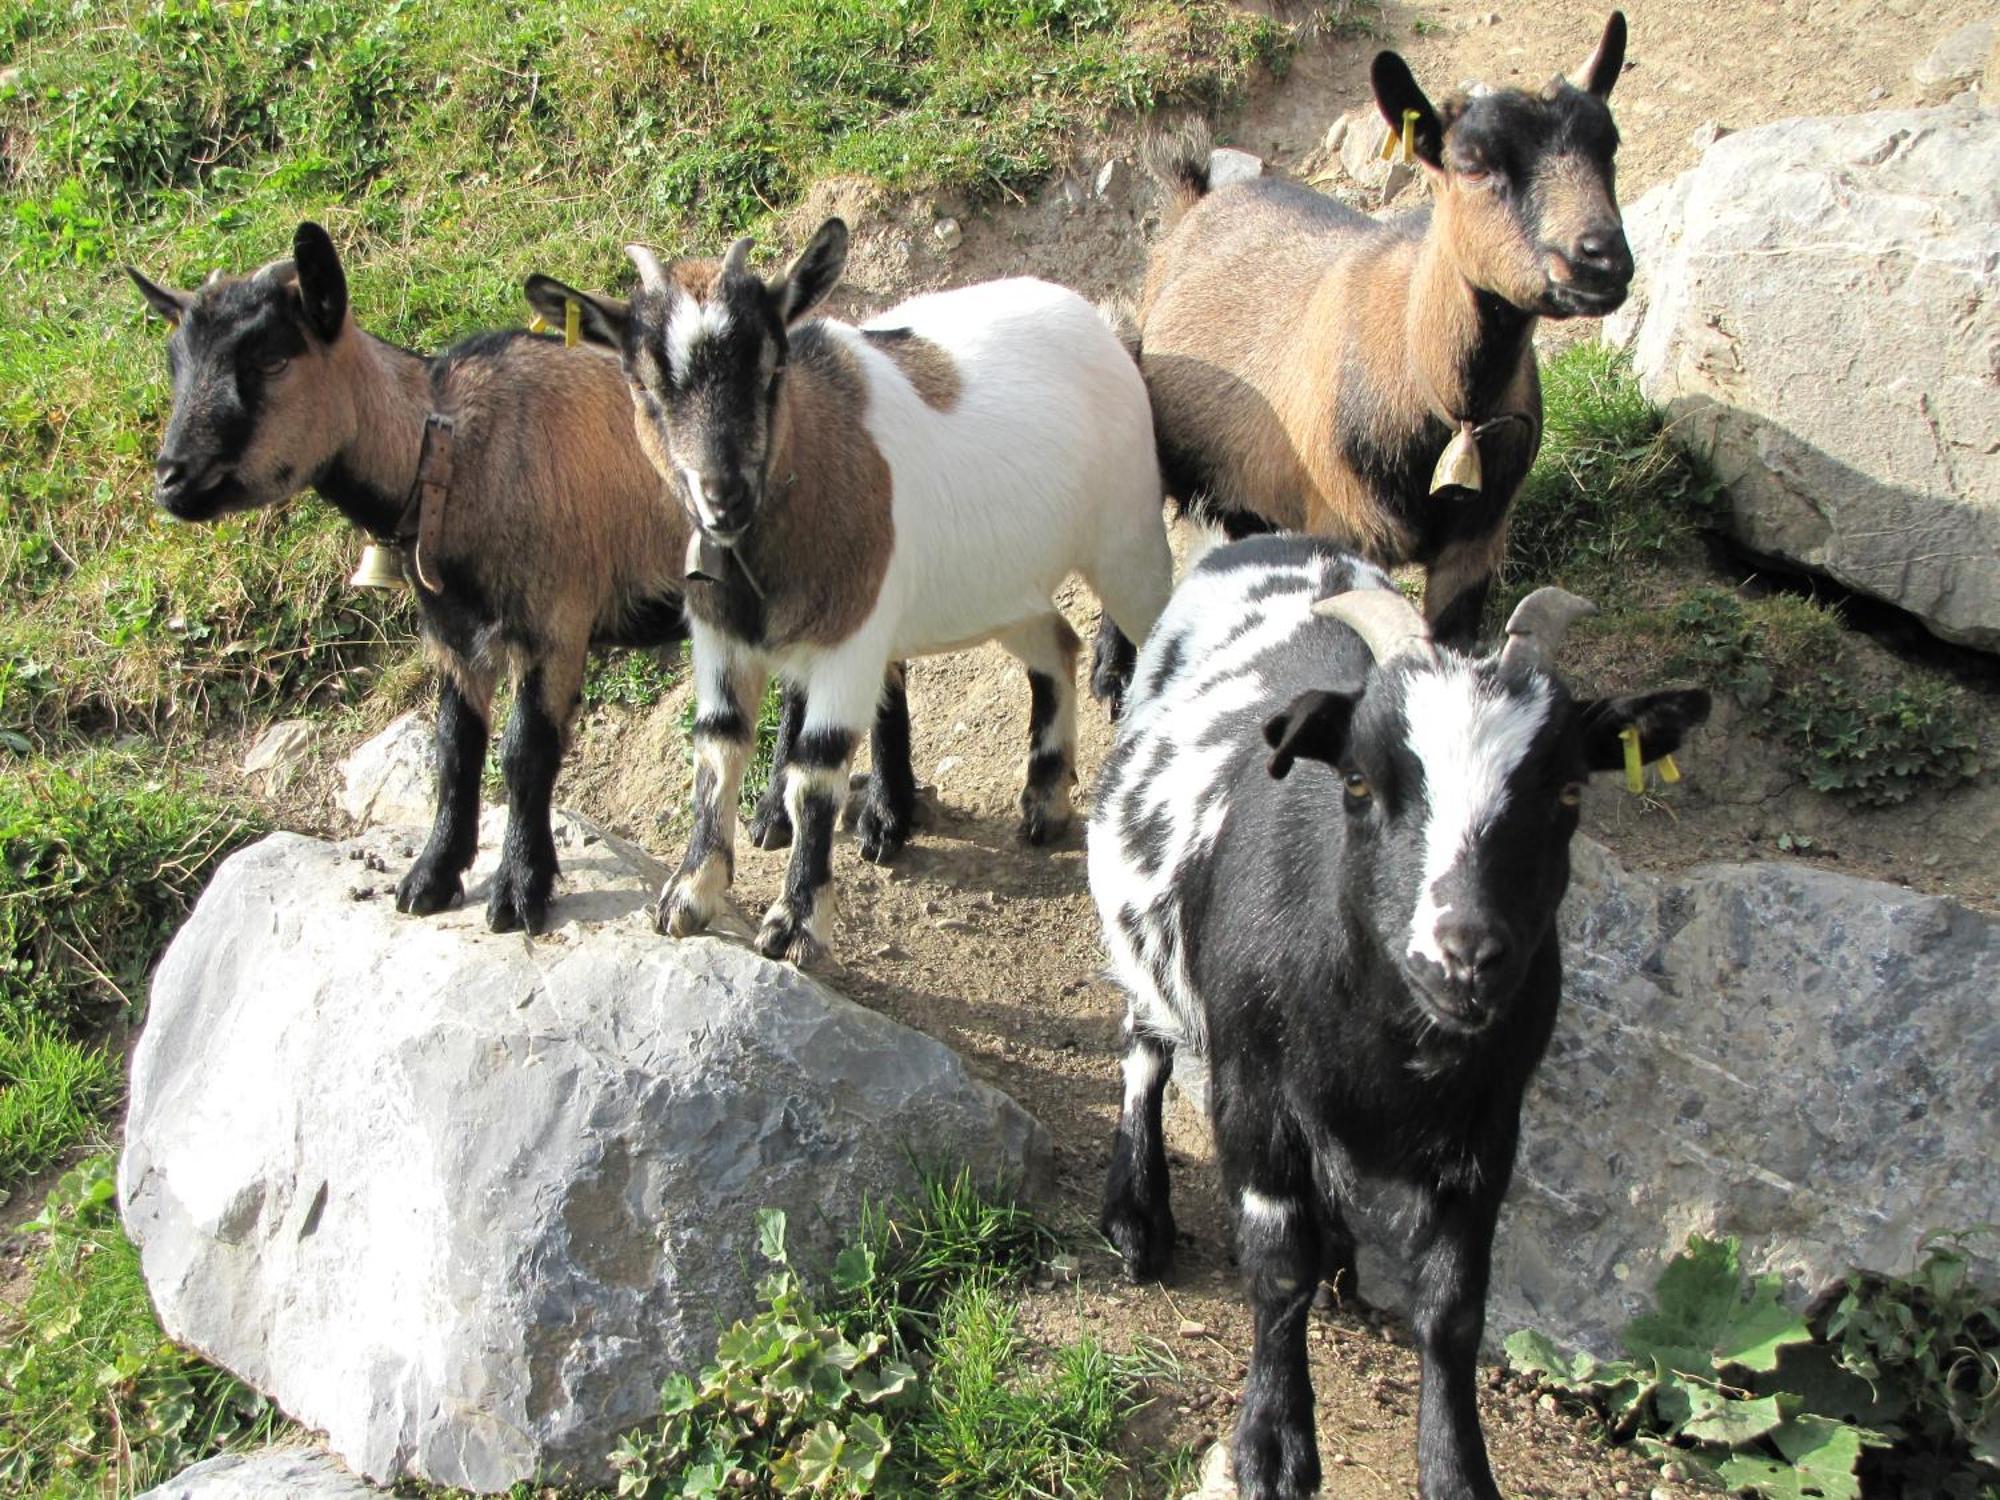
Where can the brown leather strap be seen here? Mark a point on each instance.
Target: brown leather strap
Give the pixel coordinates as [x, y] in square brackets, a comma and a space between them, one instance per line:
[423, 515]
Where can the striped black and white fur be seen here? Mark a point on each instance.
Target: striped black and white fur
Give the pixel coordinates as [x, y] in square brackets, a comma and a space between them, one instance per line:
[1327, 855]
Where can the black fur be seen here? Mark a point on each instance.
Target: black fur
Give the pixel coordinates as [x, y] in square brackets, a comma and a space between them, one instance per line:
[1335, 1057]
[889, 804]
[437, 880]
[530, 756]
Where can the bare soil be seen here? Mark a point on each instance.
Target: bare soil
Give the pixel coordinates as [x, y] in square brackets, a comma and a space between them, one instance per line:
[993, 948]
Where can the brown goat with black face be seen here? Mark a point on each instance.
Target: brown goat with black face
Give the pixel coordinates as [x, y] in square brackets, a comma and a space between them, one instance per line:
[552, 538]
[1309, 365]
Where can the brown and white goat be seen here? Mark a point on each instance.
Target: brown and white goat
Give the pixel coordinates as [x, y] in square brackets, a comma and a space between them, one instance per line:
[553, 537]
[918, 484]
[1309, 365]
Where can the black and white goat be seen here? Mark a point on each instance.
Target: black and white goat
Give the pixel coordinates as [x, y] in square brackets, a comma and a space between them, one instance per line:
[552, 538]
[1363, 947]
[1311, 367]
[919, 484]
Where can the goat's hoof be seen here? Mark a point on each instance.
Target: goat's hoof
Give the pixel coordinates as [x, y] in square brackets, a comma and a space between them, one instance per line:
[787, 939]
[1144, 1241]
[770, 828]
[1043, 824]
[1277, 1456]
[679, 914]
[519, 903]
[426, 890]
[881, 833]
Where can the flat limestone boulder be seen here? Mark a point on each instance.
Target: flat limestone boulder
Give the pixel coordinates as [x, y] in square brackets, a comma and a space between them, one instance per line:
[1816, 309]
[1800, 1058]
[461, 1200]
[268, 1474]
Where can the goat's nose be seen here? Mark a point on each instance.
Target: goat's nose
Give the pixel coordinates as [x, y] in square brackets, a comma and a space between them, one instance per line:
[1472, 950]
[1605, 251]
[170, 476]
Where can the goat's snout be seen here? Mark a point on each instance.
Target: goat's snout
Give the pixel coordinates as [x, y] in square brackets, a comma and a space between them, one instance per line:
[724, 502]
[1603, 255]
[1473, 952]
[179, 478]
[1591, 276]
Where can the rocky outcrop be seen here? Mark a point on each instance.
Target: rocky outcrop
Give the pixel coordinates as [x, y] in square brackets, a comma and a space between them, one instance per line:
[392, 778]
[269, 1474]
[1800, 1058]
[1816, 309]
[461, 1200]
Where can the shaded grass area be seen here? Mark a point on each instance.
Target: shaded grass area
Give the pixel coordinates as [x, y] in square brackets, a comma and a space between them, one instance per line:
[451, 148]
[100, 858]
[94, 1400]
[1613, 510]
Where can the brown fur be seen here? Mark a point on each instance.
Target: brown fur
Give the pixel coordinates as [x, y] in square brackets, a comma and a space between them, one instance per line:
[926, 365]
[825, 528]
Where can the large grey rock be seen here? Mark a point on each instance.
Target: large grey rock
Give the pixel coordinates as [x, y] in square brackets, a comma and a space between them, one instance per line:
[1800, 1058]
[461, 1200]
[268, 1474]
[393, 777]
[1816, 308]
[1959, 59]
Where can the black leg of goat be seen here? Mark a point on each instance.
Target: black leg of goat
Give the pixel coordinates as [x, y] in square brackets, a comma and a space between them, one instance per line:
[815, 787]
[1276, 1449]
[891, 798]
[770, 826]
[530, 756]
[1448, 1317]
[1138, 1218]
[437, 879]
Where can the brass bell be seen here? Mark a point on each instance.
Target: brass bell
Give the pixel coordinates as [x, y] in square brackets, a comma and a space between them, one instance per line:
[1458, 466]
[381, 567]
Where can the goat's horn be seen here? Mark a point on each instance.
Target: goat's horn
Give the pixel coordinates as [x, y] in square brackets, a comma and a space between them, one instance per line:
[1386, 622]
[277, 273]
[737, 261]
[1535, 629]
[652, 275]
[213, 277]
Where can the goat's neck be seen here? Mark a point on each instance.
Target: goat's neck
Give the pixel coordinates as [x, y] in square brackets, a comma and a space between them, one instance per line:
[369, 479]
[1465, 343]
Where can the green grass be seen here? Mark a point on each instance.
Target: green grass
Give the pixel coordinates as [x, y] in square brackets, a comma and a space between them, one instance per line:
[451, 148]
[100, 858]
[909, 1374]
[94, 1401]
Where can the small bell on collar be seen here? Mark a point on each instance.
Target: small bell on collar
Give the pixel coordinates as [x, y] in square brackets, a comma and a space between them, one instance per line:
[1458, 465]
[381, 567]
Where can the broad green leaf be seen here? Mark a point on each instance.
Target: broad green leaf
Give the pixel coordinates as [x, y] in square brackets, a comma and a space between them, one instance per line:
[1706, 1321]
[1818, 1464]
[1723, 1419]
[892, 1378]
[771, 1233]
[854, 1269]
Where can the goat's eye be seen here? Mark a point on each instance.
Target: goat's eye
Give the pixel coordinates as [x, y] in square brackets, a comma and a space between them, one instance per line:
[1571, 795]
[1357, 787]
[271, 364]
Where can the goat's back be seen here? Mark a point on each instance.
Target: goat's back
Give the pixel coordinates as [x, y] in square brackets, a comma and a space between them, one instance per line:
[550, 488]
[1237, 643]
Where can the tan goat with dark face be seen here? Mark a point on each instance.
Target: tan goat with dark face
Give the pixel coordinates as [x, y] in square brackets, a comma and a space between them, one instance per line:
[1309, 366]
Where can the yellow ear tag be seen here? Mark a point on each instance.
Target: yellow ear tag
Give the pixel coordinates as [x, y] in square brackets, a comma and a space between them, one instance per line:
[1409, 135]
[1635, 767]
[538, 324]
[572, 324]
[1669, 772]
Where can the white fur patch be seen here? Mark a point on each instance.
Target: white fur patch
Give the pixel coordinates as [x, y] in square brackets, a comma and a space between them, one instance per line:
[1470, 737]
[1258, 1209]
[1143, 1066]
[698, 496]
[688, 323]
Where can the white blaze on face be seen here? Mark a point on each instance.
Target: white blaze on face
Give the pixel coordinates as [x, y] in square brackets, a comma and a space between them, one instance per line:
[1470, 738]
[688, 323]
[698, 495]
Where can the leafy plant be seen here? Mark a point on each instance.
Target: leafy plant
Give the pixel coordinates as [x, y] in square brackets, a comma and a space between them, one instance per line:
[94, 1399]
[790, 1406]
[1723, 1377]
[1781, 658]
[632, 679]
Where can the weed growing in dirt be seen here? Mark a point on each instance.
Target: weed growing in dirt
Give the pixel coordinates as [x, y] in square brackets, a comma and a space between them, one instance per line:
[94, 1400]
[1610, 493]
[1782, 659]
[451, 148]
[1895, 1387]
[824, 1396]
[632, 679]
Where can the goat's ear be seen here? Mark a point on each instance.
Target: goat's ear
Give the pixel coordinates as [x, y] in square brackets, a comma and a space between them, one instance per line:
[1601, 69]
[601, 320]
[1396, 91]
[322, 283]
[1313, 726]
[809, 278]
[169, 305]
[1662, 719]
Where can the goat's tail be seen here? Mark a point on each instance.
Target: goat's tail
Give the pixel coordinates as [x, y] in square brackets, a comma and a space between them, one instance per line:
[1178, 159]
